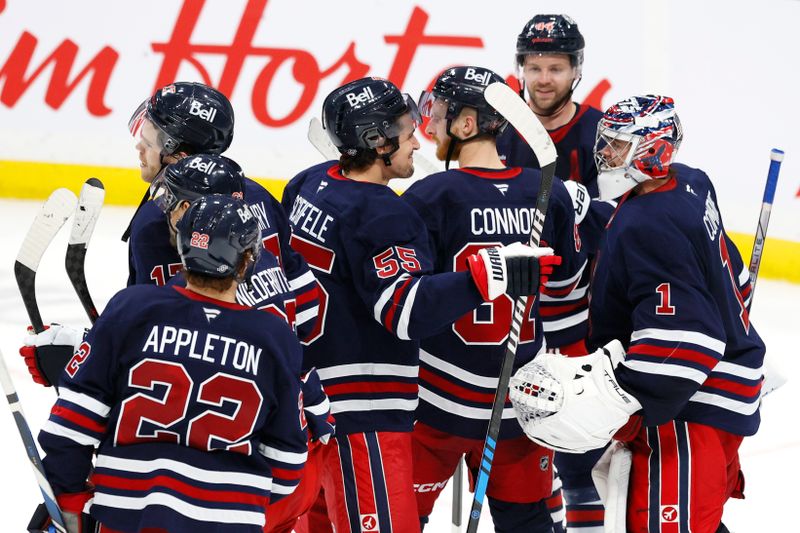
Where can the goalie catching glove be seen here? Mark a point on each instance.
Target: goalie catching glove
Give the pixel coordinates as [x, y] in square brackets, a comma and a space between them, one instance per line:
[516, 270]
[48, 352]
[572, 404]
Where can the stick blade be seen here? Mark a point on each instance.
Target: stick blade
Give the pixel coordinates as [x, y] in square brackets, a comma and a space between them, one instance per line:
[91, 201]
[320, 140]
[53, 215]
[508, 103]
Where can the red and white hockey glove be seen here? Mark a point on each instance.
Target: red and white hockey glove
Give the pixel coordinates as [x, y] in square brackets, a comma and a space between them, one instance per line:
[515, 270]
[48, 352]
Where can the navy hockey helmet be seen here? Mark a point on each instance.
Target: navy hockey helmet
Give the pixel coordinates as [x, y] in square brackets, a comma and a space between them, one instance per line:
[195, 176]
[365, 114]
[215, 233]
[460, 87]
[189, 117]
[551, 34]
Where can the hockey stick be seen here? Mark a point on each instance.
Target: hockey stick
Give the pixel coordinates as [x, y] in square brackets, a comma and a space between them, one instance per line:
[458, 484]
[89, 205]
[776, 158]
[30, 447]
[323, 144]
[773, 378]
[513, 108]
[55, 212]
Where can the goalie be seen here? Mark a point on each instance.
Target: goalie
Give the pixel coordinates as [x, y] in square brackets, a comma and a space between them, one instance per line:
[684, 389]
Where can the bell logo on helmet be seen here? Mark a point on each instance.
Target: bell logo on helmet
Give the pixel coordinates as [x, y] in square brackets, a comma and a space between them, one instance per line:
[203, 166]
[196, 108]
[481, 77]
[356, 98]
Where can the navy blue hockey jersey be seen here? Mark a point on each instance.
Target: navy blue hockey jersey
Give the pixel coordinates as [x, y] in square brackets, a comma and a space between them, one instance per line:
[153, 260]
[574, 143]
[671, 286]
[372, 258]
[193, 405]
[466, 210]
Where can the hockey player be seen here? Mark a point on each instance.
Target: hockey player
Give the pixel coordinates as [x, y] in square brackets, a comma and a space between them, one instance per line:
[672, 287]
[482, 204]
[191, 118]
[550, 50]
[379, 295]
[192, 401]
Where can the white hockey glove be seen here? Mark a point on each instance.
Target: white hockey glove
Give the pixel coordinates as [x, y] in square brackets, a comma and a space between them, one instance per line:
[580, 199]
[48, 352]
[572, 404]
[516, 269]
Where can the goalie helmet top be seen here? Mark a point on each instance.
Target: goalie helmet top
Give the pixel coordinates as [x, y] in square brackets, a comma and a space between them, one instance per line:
[190, 117]
[551, 34]
[214, 234]
[364, 114]
[637, 140]
[195, 176]
[461, 87]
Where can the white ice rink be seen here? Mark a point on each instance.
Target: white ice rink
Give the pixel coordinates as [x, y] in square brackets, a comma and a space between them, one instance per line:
[771, 467]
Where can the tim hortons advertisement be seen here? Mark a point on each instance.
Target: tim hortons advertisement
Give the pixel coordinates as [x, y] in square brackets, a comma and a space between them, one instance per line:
[72, 73]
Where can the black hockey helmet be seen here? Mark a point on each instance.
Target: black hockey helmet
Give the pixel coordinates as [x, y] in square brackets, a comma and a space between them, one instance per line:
[189, 116]
[551, 34]
[461, 87]
[195, 176]
[363, 115]
[214, 234]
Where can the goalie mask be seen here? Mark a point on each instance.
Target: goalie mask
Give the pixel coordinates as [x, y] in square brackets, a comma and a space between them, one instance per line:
[365, 114]
[215, 233]
[637, 140]
[188, 117]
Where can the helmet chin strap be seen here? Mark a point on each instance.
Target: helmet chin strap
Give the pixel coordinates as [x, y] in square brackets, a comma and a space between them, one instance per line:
[453, 141]
[387, 157]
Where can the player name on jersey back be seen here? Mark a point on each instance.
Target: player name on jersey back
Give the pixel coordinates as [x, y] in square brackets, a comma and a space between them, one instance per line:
[310, 218]
[208, 347]
[501, 220]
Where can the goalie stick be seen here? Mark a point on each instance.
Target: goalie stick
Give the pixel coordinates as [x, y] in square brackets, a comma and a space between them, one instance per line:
[30, 447]
[89, 205]
[323, 144]
[54, 213]
[773, 378]
[513, 108]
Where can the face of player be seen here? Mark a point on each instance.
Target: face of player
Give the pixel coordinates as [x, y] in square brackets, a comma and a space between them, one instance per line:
[548, 79]
[615, 152]
[437, 128]
[403, 159]
[149, 149]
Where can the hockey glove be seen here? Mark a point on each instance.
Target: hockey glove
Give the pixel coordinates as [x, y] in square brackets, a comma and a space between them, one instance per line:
[580, 199]
[515, 270]
[48, 352]
[572, 404]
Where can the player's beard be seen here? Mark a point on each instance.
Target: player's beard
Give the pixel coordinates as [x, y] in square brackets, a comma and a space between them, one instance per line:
[442, 145]
[550, 110]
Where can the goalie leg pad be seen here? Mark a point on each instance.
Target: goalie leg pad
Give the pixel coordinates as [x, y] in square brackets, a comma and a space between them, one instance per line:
[572, 404]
